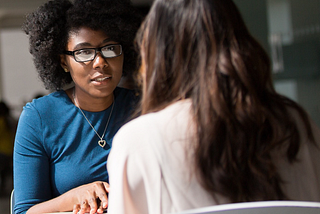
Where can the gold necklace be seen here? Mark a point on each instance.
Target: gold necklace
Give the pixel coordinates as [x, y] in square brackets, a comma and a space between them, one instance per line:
[101, 142]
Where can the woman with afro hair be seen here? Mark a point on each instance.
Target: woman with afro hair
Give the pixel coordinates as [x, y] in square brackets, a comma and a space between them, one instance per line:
[81, 50]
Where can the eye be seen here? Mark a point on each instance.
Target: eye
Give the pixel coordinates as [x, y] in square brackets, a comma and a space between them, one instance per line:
[84, 52]
[109, 48]
[111, 51]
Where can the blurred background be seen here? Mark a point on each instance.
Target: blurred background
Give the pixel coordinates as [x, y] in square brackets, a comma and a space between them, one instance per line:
[289, 30]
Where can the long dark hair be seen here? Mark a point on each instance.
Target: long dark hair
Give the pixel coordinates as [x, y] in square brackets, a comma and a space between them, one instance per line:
[202, 50]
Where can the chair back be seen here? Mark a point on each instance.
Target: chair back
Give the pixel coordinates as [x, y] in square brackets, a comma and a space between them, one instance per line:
[12, 202]
[264, 207]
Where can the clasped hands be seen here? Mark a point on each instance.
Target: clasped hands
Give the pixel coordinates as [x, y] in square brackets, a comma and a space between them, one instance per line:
[91, 198]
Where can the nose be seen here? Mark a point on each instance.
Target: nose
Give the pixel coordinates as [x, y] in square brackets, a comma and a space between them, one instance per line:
[99, 61]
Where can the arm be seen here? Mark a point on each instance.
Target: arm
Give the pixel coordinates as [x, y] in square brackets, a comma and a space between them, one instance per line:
[32, 178]
[81, 199]
[31, 166]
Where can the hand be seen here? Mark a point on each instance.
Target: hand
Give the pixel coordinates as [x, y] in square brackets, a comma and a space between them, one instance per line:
[91, 198]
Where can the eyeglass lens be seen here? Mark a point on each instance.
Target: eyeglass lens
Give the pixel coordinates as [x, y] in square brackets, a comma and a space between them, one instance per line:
[88, 54]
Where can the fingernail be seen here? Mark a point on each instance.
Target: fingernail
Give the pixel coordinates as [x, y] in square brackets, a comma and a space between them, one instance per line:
[105, 205]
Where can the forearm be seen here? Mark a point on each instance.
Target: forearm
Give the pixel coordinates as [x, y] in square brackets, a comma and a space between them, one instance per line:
[61, 203]
[83, 197]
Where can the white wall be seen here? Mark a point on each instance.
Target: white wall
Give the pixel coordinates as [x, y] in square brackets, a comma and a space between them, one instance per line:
[20, 82]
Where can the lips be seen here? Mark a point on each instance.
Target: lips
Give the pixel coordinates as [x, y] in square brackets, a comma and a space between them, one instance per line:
[101, 79]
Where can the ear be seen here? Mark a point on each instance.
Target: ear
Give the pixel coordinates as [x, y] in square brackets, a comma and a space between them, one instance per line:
[63, 61]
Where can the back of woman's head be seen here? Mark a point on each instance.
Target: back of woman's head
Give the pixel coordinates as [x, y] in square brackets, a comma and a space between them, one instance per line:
[202, 50]
[187, 40]
[49, 27]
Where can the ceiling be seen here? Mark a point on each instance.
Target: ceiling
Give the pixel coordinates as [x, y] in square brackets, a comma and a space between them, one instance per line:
[12, 12]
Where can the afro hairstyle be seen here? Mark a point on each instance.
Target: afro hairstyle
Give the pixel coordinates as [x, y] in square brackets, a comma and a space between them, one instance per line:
[50, 25]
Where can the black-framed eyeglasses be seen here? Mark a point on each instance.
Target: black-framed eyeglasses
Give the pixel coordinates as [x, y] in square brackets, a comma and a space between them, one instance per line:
[88, 54]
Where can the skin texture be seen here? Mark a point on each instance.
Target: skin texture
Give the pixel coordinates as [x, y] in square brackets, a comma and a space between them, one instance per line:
[92, 95]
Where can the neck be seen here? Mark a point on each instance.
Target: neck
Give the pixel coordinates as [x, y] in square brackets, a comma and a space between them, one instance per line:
[89, 103]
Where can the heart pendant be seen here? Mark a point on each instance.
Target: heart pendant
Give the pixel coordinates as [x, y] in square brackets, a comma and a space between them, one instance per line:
[102, 143]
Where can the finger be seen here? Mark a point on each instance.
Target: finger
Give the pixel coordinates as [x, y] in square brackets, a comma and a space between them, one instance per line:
[101, 193]
[84, 207]
[92, 202]
[103, 200]
[100, 206]
[76, 208]
[106, 186]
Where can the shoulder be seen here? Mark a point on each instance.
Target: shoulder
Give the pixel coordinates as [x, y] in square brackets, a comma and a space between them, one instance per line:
[303, 129]
[155, 126]
[298, 119]
[54, 98]
[178, 111]
[125, 103]
[124, 94]
[51, 103]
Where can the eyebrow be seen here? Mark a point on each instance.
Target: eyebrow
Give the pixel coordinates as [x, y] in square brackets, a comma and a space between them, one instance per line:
[86, 44]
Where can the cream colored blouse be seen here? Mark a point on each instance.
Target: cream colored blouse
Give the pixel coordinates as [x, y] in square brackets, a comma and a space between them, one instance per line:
[151, 170]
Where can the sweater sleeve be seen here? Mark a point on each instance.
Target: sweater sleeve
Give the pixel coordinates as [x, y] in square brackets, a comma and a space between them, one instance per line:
[31, 164]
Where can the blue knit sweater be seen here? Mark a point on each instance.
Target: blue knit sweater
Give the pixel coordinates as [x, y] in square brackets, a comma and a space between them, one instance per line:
[57, 150]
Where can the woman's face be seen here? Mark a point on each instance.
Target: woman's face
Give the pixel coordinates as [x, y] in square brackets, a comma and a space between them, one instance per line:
[97, 78]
